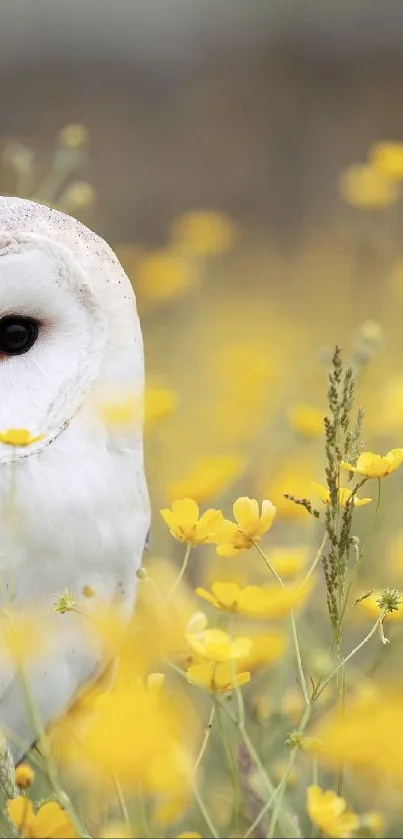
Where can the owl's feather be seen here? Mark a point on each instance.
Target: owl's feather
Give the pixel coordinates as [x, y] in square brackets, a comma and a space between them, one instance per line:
[80, 504]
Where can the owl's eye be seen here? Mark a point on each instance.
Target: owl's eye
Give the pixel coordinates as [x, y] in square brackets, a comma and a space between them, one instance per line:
[17, 334]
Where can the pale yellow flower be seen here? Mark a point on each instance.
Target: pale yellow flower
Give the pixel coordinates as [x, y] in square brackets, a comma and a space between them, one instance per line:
[209, 476]
[216, 645]
[270, 602]
[162, 275]
[288, 562]
[217, 678]
[366, 187]
[49, 822]
[344, 495]
[19, 437]
[204, 233]
[249, 526]
[74, 136]
[307, 420]
[184, 522]
[24, 776]
[328, 811]
[372, 465]
[387, 157]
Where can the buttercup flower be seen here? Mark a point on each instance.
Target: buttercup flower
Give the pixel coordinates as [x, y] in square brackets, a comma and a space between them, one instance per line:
[209, 476]
[344, 495]
[24, 776]
[288, 562]
[216, 645]
[306, 420]
[365, 186]
[249, 526]
[373, 604]
[49, 822]
[270, 601]
[387, 157]
[19, 437]
[372, 465]
[186, 526]
[218, 678]
[204, 233]
[328, 812]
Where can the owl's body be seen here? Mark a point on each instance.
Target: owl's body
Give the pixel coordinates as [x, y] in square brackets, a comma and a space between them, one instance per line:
[74, 505]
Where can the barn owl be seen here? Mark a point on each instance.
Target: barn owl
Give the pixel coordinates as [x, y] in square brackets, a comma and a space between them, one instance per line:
[69, 336]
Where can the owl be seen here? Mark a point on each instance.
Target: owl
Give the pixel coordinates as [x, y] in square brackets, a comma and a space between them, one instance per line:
[74, 505]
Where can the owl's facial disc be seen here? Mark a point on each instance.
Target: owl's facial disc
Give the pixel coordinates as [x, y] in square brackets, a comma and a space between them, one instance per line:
[52, 338]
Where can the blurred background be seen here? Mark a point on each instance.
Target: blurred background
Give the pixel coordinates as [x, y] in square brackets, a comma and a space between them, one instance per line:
[245, 160]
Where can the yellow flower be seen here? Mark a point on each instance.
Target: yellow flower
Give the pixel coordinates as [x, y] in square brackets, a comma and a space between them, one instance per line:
[306, 420]
[24, 776]
[160, 402]
[19, 437]
[190, 834]
[162, 275]
[50, 821]
[372, 465]
[328, 812]
[266, 648]
[365, 186]
[24, 636]
[116, 830]
[216, 677]
[210, 476]
[204, 233]
[344, 495]
[78, 195]
[186, 526]
[74, 136]
[269, 602]
[288, 562]
[292, 476]
[367, 738]
[387, 157]
[249, 526]
[121, 409]
[216, 645]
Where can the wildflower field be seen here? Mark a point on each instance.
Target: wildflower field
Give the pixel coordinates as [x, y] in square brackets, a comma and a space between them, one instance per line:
[257, 691]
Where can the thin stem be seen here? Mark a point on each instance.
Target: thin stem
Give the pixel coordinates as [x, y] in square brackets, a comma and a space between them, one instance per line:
[205, 740]
[181, 572]
[293, 625]
[122, 803]
[353, 652]
[283, 783]
[233, 771]
[204, 812]
[316, 559]
[374, 517]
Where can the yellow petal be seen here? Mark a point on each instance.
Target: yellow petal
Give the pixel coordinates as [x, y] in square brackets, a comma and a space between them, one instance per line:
[209, 523]
[208, 596]
[186, 512]
[21, 813]
[321, 491]
[246, 514]
[227, 550]
[226, 593]
[51, 822]
[267, 517]
[394, 458]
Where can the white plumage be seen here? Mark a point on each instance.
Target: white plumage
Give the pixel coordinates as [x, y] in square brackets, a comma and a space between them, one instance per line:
[81, 507]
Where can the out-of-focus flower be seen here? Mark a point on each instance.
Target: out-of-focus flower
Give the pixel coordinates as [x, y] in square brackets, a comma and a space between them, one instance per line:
[271, 602]
[387, 157]
[121, 409]
[373, 604]
[204, 233]
[74, 136]
[307, 420]
[77, 196]
[292, 704]
[366, 737]
[344, 495]
[372, 465]
[24, 636]
[328, 811]
[373, 823]
[189, 835]
[216, 645]
[160, 402]
[209, 477]
[19, 437]
[288, 562]
[249, 526]
[49, 822]
[116, 830]
[365, 186]
[186, 526]
[218, 678]
[24, 776]
[267, 648]
[163, 275]
[293, 476]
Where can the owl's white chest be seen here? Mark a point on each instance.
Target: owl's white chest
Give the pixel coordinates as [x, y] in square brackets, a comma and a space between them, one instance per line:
[75, 515]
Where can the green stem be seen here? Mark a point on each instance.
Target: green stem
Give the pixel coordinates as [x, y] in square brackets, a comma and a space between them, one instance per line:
[181, 572]
[205, 740]
[293, 624]
[316, 559]
[353, 652]
[204, 812]
[233, 770]
[122, 804]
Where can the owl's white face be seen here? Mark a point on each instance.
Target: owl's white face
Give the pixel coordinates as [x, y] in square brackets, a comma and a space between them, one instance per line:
[52, 338]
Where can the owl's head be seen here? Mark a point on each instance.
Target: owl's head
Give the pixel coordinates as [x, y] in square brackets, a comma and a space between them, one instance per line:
[68, 320]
